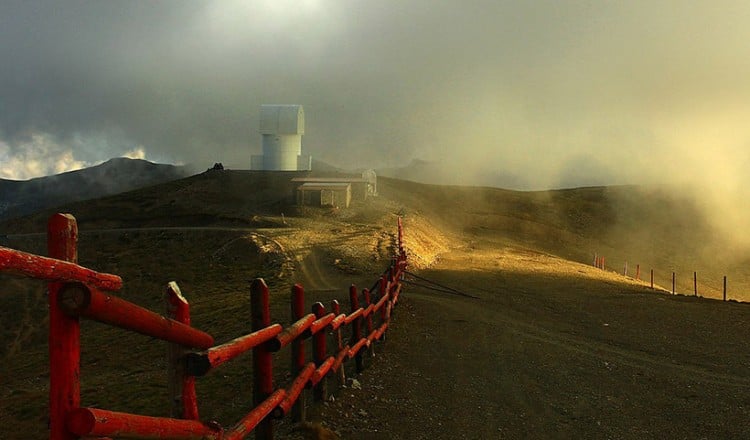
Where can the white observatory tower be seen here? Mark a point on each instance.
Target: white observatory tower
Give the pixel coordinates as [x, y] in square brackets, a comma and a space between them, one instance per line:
[282, 127]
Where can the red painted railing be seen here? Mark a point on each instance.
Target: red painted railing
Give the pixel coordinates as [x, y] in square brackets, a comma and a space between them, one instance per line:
[76, 292]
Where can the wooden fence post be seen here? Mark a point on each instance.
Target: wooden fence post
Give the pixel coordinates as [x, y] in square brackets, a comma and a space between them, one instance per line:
[638, 272]
[336, 309]
[673, 284]
[260, 315]
[725, 287]
[356, 327]
[652, 279]
[368, 322]
[320, 391]
[299, 409]
[64, 333]
[181, 386]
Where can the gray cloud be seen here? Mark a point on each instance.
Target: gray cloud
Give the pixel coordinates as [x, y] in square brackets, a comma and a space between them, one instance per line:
[643, 90]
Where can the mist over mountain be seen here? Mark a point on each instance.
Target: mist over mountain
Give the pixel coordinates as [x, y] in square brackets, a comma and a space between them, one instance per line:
[21, 197]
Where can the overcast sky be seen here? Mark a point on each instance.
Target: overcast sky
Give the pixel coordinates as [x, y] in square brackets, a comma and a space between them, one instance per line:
[551, 93]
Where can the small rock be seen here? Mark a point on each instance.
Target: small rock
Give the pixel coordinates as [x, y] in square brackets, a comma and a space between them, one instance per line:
[363, 413]
[354, 383]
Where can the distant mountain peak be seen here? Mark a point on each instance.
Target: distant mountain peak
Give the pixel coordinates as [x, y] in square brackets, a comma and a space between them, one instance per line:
[114, 176]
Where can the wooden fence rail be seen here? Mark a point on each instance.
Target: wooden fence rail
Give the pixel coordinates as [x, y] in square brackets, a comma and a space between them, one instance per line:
[76, 292]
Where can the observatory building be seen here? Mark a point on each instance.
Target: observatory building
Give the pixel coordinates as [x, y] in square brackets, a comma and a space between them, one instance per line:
[282, 127]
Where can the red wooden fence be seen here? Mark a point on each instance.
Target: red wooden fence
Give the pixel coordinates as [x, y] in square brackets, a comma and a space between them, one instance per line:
[76, 292]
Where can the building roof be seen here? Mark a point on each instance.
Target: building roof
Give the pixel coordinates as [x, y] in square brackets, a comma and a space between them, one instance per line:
[317, 186]
[330, 179]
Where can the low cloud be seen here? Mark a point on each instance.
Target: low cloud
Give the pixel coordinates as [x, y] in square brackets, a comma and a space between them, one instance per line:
[40, 156]
[529, 95]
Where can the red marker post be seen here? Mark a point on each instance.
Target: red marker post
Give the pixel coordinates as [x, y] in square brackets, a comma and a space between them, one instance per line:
[260, 315]
[64, 333]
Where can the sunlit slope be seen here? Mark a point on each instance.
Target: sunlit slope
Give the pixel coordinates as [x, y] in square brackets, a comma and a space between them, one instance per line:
[654, 227]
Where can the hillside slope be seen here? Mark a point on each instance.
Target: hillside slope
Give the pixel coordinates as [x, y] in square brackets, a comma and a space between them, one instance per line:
[114, 176]
[658, 227]
[552, 347]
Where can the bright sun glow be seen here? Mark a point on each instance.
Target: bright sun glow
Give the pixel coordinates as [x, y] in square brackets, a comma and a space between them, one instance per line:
[136, 153]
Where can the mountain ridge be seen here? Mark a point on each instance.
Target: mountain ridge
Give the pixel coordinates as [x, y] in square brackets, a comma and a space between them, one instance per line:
[117, 175]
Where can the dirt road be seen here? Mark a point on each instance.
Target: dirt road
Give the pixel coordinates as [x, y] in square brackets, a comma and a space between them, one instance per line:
[551, 350]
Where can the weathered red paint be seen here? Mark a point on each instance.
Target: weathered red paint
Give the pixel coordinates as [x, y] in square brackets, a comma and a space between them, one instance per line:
[355, 350]
[388, 309]
[181, 385]
[294, 391]
[64, 332]
[368, 310]
[260, 314]
[395, 294]
[93, 422]
[319, 353]
[257, 418]
[299, 410]
[322, 370]
[198, 364]
[370, 307]
[341, 356]
[355, 315]
[385, 288]
[336, 308]
[54, 268]
[383, 327]
[338, 321]
[291, 333]
[356, 327]
[320, 324]
[380, 303]
[79, 300]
